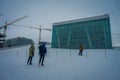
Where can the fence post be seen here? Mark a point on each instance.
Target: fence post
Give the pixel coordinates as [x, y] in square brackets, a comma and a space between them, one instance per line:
[56, 53]
[105, 54]
[26, 52]
[17, 52]
[70, 53]
[86, 54]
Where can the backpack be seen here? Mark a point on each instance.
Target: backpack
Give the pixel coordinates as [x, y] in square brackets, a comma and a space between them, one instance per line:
[40, 49]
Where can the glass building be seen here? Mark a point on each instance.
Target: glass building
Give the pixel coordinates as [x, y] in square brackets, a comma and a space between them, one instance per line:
[92, 33]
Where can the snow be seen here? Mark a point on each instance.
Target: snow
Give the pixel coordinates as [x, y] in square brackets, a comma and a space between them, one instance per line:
[60, 64]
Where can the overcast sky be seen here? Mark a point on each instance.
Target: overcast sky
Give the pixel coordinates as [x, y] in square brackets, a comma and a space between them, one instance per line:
[47, 12]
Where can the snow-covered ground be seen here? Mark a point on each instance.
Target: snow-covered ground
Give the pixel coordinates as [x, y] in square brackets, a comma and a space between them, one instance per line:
[61, 64]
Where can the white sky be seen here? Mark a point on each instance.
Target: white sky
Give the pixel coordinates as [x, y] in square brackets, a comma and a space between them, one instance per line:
[47, 12]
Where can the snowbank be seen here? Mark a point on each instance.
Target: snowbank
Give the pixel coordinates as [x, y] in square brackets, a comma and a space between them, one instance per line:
[60, 64]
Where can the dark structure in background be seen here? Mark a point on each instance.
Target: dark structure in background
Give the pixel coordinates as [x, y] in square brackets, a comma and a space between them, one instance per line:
[92, 33]
[2, 40]
[18, 41]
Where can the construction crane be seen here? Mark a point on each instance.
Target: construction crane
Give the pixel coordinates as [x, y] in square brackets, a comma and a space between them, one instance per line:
[7, 24]
[40, 29]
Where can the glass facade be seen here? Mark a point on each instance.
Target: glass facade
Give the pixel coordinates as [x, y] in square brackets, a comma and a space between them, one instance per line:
[93, 33]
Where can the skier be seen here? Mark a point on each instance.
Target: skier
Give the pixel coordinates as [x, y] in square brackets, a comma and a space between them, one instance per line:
[42, 52]
[80, 50]
[31, 54]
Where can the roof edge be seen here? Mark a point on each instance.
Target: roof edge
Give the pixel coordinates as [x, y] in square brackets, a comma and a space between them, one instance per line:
[82, 20]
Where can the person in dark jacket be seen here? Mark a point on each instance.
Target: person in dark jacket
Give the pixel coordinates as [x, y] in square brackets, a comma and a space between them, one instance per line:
[42, 52]
[81, 50]
[31, 54]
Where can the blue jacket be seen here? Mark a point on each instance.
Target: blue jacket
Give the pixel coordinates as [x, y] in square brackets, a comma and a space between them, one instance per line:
[42, 50]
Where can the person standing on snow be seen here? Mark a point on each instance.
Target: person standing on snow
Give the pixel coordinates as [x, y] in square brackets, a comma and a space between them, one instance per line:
[80, 50]
[42, 52]
[31, 54]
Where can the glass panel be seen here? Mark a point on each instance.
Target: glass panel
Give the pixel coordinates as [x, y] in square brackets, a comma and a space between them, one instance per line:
[91, 34]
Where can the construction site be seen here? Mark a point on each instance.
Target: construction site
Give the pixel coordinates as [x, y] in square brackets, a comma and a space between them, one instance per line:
[4, 28]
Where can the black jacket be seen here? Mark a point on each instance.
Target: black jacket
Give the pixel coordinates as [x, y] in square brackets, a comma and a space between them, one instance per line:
[42, 50]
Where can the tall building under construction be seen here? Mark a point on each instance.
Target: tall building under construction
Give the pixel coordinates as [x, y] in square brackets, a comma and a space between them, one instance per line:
[92, 33]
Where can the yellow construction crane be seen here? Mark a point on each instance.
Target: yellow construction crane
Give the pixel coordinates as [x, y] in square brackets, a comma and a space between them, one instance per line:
[6, 25]
[40, 29]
